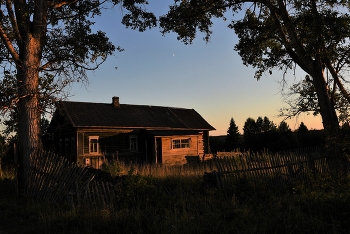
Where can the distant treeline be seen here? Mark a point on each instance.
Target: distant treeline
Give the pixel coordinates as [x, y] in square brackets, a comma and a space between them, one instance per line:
[262, 134]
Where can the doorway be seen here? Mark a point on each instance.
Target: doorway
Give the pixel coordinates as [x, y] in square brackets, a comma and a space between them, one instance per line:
[158, 150]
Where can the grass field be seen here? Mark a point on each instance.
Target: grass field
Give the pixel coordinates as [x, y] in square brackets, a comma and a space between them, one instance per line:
[155, 199]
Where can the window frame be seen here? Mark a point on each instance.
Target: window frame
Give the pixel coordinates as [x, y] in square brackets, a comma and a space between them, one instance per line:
[181, 143]
[97, 145]
[133, 147]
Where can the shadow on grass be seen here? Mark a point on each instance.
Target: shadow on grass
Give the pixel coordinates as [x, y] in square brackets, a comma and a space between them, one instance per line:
[178, 204]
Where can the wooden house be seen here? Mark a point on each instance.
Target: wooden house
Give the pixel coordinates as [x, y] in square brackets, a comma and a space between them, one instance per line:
[89, 133]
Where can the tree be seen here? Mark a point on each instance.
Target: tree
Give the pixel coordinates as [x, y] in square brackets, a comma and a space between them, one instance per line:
[3, 147]
[43, 39]
[282, 34]
[302, 98]
[283, 127]
[268, 125]
[264, 124]
[259, 124]
[302, 128]
[250, 127]
[233, 136]
[250, 130]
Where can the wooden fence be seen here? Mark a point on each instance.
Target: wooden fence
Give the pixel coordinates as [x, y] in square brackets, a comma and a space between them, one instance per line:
[272, 169]
[55, 180]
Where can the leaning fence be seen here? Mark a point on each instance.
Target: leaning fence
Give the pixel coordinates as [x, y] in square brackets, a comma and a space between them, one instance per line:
[272, 169]
[56, 180]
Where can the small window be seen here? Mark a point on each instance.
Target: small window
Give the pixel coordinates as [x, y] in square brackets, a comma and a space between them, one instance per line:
[133, 143]
[181, 143]
[93, 145]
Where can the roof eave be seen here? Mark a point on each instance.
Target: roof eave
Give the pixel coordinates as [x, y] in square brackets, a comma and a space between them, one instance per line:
[146, 128]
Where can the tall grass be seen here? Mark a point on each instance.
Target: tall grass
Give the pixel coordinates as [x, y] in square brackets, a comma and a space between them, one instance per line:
[117, 168]
[7, 172]
[164, 199]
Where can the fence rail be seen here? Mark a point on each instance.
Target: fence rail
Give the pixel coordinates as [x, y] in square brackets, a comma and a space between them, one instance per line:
[54, 179]
[275, 169]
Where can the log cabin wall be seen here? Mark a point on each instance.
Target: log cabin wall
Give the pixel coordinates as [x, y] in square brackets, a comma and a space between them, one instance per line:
[174, 156]
[112, 144]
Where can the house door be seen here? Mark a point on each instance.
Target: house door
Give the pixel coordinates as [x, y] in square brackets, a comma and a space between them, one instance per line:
[159, 150]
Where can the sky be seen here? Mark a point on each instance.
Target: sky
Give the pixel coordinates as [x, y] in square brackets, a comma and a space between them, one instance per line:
[208, 77]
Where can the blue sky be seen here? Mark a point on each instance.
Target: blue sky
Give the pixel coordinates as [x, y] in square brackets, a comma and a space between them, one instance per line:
[208, 77]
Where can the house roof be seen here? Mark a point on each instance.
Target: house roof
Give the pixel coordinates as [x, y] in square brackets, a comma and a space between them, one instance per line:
[106, 115]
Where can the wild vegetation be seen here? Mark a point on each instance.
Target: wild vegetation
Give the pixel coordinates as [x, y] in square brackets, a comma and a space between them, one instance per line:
[263, 134]
[160, 199]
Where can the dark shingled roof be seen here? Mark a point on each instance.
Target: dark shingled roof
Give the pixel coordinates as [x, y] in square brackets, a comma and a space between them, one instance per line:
[85, 114]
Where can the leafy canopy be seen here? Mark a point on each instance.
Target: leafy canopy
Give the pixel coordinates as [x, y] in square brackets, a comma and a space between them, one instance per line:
[272, 33]
[283, 35]
[233, 136]
[68, 45]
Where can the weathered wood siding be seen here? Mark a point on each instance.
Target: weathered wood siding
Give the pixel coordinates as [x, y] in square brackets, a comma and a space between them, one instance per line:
[112, 143]
[177, 156]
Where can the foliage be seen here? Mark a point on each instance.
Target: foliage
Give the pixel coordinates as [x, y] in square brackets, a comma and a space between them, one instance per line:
[257, 135]
[302, 98]
[50, 44]
[282, 35]
[279, 138]
[69, 47]
[182, 204]
[302, 128]
[283, 127]
[233, 136]
[250, 127]
[217, 143]
[114, 168]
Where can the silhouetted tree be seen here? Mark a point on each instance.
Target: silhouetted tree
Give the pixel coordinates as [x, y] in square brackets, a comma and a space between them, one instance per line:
[302, 135]
[268, 125]
[311, 35]
[3, 147]
[259, 124]
[250, 127]
[40, 39]
[250, 131]
[302, 128]
[217, 143]
[233, 136]
[283, 127]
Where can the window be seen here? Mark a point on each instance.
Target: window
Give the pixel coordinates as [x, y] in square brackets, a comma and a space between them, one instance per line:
[133, 143]
[93, 145]
[181, 143]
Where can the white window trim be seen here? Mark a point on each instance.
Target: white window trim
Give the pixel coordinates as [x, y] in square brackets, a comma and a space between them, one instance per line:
[98, 145]
[137, 143]
[188, 144]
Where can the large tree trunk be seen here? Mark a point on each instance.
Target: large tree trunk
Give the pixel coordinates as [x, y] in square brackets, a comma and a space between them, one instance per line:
[338, 162]
[327, 108]
[28, 108]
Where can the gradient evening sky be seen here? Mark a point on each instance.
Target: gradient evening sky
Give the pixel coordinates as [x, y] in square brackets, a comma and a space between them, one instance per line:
[208, 77]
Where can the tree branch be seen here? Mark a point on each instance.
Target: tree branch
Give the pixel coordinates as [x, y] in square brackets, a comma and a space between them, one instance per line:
[13, 21]
[290, 27]
[56, 5]
[337, 80]
[8, 44]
